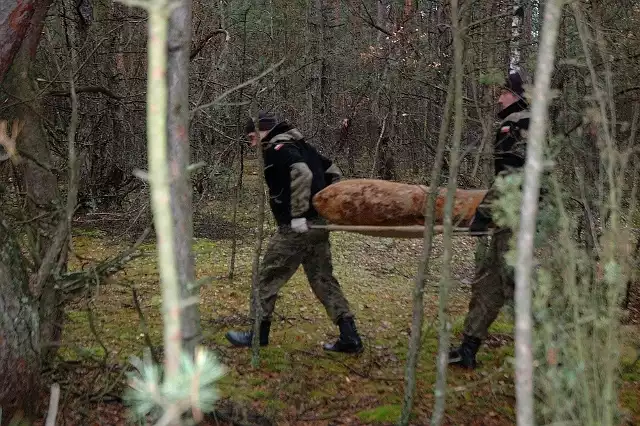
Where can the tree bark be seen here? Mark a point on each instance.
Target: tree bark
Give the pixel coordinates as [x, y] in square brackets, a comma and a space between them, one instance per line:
[19, 336]
[37, 176]
[443, 312]
[15, 21]
[418, 291]
[181, 191]
[237, 193]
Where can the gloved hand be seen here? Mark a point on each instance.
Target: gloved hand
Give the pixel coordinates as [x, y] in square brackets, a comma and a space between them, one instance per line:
[299, 225]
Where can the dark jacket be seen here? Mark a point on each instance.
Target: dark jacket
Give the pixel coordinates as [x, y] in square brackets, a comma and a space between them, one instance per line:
[294, 172]
[511, 137]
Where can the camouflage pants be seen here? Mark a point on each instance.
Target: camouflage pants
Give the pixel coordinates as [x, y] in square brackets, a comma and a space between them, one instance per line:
[492, 287]
[286, 251]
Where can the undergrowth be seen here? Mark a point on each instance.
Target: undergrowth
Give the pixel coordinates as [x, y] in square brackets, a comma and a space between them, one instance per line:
[297, 382]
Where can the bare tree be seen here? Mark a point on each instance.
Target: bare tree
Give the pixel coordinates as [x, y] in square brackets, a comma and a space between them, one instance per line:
[445, 282]
[418, 291]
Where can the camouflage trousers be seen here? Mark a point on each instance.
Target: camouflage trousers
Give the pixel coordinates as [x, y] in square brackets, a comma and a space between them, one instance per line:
[286, 251]
[493, 285]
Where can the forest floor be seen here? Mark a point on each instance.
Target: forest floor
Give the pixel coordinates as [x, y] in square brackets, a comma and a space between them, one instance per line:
[297, 383]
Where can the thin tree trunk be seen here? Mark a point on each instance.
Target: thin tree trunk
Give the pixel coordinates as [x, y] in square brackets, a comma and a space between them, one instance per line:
[15, 19]
[159, 177]
[516, 31]
[20, 358]
[27, 325]
[445, 324]
[323, 78]
[255, 344]
[418, 291]
[39, 181]
[237, 194]
[533, 169]
[181, 190]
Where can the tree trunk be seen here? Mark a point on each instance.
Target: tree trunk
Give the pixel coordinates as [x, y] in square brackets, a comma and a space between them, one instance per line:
[37, 176]
[181, 190]
[19, 337]
[443, 298]
[15, 20]
[529, 210]
[30, 327]
[237, 194]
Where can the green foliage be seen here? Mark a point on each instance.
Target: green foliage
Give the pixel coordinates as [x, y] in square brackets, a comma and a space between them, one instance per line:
[383, 414]
[575, 307]
[193, 388]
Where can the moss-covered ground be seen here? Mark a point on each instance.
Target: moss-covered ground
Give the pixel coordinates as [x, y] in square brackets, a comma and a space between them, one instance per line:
[296, 382]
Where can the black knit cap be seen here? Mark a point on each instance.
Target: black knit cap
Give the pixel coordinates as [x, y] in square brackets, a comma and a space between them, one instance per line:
[266, 121]
[514, 83]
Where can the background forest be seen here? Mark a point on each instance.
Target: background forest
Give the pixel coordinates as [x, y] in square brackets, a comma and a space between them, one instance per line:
[81, 274]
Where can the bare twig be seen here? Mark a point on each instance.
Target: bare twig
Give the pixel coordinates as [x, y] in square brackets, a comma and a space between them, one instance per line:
[53, 254]
[377, 149]
[255, 276]
[143, 324]
[483, 21]
[87, 89]
[94, 330]
[237, 192]
[249, 82]
[74, 282]
[203, 43]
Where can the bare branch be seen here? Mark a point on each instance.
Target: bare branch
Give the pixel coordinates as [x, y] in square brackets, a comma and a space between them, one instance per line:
[485, 20]
[88, 89]
[203, 43]
[249, 82]
[61, 233]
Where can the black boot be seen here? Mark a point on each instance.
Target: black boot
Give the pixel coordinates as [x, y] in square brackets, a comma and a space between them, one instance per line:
[243, 338]
[465, 355]
[349, 340]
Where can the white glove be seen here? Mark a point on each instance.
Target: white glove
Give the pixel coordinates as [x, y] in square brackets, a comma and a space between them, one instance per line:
[299, 225]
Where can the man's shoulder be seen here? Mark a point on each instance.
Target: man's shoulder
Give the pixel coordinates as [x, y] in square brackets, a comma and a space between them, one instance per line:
[279, 146]
[520, 119]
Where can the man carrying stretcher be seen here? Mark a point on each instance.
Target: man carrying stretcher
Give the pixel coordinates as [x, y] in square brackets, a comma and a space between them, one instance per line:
[294, 172]
[494, 280]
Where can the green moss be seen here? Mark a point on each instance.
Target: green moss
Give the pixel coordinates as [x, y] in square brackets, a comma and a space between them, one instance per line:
[503, 324]
[630, 369]
[383, 414]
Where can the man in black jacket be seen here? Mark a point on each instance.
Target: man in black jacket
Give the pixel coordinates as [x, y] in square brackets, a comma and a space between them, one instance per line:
[294, 172]
[494, 281]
